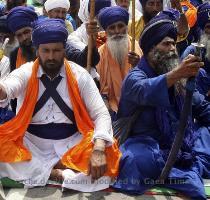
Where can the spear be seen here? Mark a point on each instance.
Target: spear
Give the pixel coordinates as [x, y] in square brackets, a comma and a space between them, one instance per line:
[133, 26]
[90, 39]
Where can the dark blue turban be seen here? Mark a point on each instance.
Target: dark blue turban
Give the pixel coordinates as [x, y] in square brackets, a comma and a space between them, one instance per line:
[49, 31]
[3, 25]
[156, 30]
[99, 4]
[203, 15]
[20, 17]
[110, 15]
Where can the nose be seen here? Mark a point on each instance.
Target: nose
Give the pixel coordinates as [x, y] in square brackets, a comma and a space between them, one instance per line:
[172, 47]
[50, 55]
[61, 16]
[24, 36]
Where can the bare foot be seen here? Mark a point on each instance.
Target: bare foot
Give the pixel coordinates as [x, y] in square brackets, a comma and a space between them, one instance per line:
[59, 165]
[56, 175]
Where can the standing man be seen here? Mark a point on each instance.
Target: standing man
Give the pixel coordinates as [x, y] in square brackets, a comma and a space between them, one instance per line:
[116, 58]
[157, 87]
[62, 123]
[19, 21]
[151, 8]
[59, 9]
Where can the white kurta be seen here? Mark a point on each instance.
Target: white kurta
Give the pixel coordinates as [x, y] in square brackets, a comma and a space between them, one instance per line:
[46, 152]
[4, 67]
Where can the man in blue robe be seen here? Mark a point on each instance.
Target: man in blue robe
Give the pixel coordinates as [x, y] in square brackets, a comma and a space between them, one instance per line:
[156, 87]
[203, 78]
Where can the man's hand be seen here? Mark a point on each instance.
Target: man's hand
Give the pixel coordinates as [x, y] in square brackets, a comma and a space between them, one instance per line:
[98, 163]
[92, 29]
[3, 94]
[189, 67]
[133, 58]
[176, 5]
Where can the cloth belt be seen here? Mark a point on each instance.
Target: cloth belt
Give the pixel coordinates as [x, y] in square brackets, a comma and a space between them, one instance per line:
[51, 91]
[52, 131]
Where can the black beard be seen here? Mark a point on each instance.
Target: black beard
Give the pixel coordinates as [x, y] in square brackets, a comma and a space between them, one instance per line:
[52, 70]
[28, 52]
[148, 16]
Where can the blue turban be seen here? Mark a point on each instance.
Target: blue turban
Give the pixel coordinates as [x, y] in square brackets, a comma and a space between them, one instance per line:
[3, 25]
[99, 4]
[203, 15]
[49, 31]
[110, 15]
[20, 17]
[156, 30]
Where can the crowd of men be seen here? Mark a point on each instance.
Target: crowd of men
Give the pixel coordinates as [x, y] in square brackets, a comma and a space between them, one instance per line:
[56, 116]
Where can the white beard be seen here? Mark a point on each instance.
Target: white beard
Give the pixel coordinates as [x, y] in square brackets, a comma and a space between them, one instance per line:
[205, 40]
[118, 47]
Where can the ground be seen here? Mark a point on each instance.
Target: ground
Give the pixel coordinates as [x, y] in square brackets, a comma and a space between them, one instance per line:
[52, 193]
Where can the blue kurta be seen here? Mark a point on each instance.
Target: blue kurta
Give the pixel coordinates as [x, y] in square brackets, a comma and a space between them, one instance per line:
[146, 150]
[203, 77]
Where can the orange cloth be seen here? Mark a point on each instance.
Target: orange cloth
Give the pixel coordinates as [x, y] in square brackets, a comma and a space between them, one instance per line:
[12, 132]
[112, 75]
[190, 13]
[20, 59]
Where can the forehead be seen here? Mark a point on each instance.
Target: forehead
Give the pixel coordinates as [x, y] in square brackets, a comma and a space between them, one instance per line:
[56, 45]
[58, 9]
[153, 1]
[167, 39]
[119, 23]
[20, 31]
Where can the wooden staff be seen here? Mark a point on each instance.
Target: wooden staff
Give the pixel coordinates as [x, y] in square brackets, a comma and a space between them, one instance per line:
[90, 39]
[133, 26]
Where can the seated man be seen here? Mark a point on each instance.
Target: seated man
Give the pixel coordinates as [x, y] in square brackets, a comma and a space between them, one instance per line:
[116, 58]
[155, 86]
[62, 129]
[203, 78]
[79, 38]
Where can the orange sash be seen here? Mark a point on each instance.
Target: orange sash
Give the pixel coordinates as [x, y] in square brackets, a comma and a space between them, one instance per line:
[12, 132]
[112, 75]
[20, 59]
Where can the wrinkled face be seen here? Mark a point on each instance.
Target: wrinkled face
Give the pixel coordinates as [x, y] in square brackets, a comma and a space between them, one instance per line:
[59, 13]
[117, 30]
[164, 56]
[152, 8]
[123, 3]
[51, 56]
[23, 36]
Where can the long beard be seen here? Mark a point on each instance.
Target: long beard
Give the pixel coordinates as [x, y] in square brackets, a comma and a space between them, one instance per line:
[118, 46]
[205, 40]
[164, 62]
